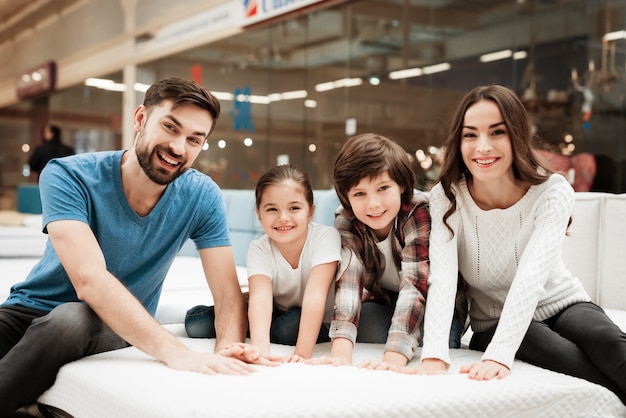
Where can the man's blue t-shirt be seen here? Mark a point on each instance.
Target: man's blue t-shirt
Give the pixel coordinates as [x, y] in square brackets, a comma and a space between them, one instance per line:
[138, 250]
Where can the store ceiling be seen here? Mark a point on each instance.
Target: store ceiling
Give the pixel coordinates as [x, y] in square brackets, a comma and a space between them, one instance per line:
[18, 16]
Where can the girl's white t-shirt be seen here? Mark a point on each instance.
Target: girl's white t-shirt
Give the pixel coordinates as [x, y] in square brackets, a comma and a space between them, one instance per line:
[323, 245]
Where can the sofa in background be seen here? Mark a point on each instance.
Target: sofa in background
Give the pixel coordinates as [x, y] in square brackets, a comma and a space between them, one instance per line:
[595, 245]
[244, 224]
[593, 249]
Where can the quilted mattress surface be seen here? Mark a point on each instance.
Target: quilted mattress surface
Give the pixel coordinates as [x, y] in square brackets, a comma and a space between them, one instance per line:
[128, 383]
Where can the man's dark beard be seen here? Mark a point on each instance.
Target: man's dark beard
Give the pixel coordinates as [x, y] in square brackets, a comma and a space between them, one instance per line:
[156, 174]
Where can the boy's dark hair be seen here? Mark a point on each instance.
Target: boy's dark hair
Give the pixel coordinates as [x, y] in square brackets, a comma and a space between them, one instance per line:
[370, 155]
[280, 174]
[183, 92]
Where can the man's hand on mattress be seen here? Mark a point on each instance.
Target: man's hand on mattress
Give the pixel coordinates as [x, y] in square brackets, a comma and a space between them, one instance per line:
[209, 363]
[485, 370]
[250, 354]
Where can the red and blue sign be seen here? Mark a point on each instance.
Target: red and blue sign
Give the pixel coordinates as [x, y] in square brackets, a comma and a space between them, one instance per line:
[251, 7]
[259, 10]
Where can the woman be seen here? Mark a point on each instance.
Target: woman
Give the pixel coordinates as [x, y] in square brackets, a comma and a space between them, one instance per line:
[499, 219]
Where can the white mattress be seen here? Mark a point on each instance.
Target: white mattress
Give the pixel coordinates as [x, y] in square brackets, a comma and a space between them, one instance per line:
[128, 383]
[13, 270]
[22, 241]
[184, 287]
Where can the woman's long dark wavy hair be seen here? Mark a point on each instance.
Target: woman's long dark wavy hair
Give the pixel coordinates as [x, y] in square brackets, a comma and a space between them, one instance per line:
[527, 166]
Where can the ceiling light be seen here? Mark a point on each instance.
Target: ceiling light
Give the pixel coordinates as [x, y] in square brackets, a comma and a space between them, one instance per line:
[437, 68]
[494, 56]
[325, 86]
[296, 94]
[348, 82]
[342, 82]
[252, 98]
[410, 72]
[374, 80]
[614, 36]
[223, 95]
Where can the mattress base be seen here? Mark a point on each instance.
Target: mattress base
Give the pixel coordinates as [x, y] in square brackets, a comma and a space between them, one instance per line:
[127, 382]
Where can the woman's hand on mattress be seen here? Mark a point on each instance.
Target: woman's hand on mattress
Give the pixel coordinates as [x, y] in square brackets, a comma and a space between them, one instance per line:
[250, 354]
[485, 370]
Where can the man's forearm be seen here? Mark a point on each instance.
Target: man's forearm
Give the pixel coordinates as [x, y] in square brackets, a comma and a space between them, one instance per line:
[123, 313]
[231, 322]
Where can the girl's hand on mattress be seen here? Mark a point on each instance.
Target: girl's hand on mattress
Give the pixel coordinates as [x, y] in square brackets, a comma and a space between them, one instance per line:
[485, 370]
[250, 354]
[275, 359]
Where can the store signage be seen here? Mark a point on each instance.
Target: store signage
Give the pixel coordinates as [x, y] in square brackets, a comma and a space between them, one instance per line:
[37, 81]
[258, 10]
[191, 30]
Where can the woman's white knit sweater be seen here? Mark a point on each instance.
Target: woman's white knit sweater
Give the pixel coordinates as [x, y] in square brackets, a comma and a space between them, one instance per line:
[511, 261]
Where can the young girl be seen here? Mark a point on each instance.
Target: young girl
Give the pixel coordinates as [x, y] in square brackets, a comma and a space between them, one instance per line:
[291, 269]
[499, 217]
[385, 226]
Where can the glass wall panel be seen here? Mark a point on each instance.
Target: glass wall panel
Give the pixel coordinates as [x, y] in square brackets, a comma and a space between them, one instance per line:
[294, 88]
[297, 87]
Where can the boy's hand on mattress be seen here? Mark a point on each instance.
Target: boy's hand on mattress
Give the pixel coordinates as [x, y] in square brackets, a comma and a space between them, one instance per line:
[250, 354]
[485, 370]
[295, 358]
[428, 366]
[377, 365]
[332, 361]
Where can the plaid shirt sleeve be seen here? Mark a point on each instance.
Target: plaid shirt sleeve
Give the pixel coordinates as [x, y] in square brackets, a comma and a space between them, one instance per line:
[414, 231]
[348, 292]
[349, 285]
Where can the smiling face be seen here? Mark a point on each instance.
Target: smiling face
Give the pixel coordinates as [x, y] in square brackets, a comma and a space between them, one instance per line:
[376, 202]
[169, 140]
[285, 214]
[485, 143]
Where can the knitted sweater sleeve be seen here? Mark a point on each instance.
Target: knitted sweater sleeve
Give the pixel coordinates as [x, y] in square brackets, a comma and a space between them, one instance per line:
[442, 280]
[550, 215]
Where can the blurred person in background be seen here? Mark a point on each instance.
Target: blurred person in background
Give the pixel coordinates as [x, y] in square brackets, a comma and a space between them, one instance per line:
[51, 147]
